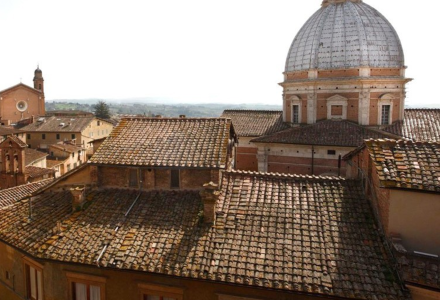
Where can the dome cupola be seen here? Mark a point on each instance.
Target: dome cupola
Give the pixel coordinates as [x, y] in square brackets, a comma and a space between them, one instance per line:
[345, 34]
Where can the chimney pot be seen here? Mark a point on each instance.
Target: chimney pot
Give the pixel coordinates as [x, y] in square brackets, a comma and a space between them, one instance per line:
[78, 197]
[209, 195]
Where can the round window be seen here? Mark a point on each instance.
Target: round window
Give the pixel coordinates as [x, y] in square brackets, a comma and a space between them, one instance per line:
[22, 105]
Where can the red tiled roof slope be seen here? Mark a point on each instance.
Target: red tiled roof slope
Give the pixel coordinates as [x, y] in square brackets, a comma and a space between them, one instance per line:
[59, 124]
[32, 155]
[35, 172]
[405, 164]
[327, 132]
[418, 125]
[170, 142]
[12, 195]
[256, 122]
[16, 140]
[311, 235]
[420, 270]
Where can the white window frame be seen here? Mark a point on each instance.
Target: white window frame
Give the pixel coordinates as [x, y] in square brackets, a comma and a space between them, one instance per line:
[295, 101]
[337, 100]
[32, 266]
[385, 99]
[73, 278]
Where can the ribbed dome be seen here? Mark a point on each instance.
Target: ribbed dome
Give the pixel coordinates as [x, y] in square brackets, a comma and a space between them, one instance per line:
[345, 34]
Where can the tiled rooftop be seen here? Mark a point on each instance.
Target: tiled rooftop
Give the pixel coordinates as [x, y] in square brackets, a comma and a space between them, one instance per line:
[292, 233]
[336, 133]
[8, 131]
[170, 142]
[420, 270]
[12, 195]
[32, 155]
[405, 164]
[418, 125]
[35, 172]
[59, 124]
[66, 147]
[16, 140]
[256, 122]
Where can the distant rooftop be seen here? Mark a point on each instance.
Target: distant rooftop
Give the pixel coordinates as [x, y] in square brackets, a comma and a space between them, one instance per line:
[254, 123]
[418, 125]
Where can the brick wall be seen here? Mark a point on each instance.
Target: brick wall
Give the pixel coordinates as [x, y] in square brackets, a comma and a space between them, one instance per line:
[246, 159]
[384, 72]
[338, 73]
[303, 165]
[155, 178]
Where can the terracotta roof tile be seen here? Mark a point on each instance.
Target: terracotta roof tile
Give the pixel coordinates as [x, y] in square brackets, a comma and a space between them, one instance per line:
[35, 172]
[171, 142]
[256, 122]
[418, 125]
[420, 270]
[12, 195]
[292, 233]
[327, 132]
[16, 140]
[405, 164]
[59, 124]
[66, 147]
[9, 131]
[32, 155]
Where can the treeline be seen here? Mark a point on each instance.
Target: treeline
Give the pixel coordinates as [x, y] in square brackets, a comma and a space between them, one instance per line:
[152, 109]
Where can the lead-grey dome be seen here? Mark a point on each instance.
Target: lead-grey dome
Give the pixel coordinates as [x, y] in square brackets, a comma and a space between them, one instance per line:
[345, 34]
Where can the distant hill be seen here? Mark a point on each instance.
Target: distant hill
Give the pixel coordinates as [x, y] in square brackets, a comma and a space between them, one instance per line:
[149, 109]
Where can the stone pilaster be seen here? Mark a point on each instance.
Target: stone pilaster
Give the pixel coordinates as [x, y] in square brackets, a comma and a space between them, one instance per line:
[364, 106]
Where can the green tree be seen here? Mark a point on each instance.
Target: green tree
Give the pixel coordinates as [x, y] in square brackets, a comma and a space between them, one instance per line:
[101, 110]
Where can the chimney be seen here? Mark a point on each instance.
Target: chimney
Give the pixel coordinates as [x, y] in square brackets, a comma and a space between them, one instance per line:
[209, 195]
[78, 197]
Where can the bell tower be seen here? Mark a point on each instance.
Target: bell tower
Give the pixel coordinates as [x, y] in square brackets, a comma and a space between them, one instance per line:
[38, 80]
[12, 171]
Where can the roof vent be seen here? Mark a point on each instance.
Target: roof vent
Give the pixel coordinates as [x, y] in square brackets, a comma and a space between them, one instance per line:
[62, 124]
[40, 119]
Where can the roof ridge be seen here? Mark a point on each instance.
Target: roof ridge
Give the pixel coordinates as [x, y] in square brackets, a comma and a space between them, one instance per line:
[253, 110]
[285, 175]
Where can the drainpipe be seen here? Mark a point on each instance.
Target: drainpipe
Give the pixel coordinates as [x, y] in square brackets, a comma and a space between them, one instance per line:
[339, 165]
[313, 160]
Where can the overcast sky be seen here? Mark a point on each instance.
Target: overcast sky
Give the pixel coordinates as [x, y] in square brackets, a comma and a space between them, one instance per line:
[229, 51]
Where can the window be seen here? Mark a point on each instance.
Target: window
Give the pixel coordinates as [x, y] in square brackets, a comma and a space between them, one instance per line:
[385, 117]
[133, 178]
[34, 279]
[28, 136]
[295, 114]
[337, 107]
[73, 154]
[58, 136]
[175, 179]
[160, 292]
[73, 136]
[331, 152]
[43, 136]
[86, 287]
[99, 123]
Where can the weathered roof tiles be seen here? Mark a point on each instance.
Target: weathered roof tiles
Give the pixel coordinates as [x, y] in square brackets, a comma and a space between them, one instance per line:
[170, 142]
[308, 235]
[254, 123]
[405, 164]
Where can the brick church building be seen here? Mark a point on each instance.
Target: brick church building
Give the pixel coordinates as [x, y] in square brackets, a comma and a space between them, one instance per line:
[344, 82]
[22, 101]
